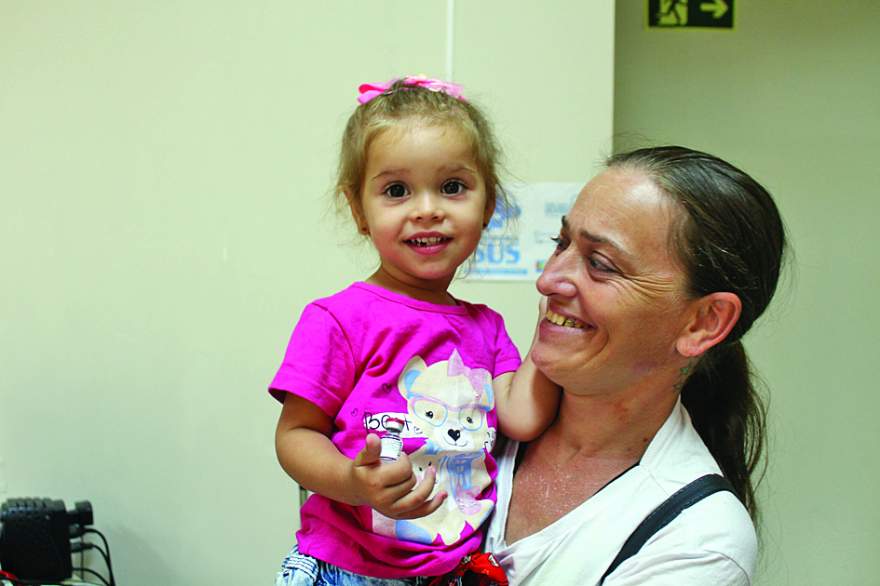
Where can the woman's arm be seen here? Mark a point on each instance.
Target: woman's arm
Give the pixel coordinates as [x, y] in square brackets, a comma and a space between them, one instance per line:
[305, 452]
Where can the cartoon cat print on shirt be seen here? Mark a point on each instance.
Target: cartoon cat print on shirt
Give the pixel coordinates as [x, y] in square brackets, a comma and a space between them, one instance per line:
[448, 403]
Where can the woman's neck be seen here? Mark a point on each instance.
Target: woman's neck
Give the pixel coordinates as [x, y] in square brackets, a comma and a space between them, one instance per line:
[595, 439]
[619, 427]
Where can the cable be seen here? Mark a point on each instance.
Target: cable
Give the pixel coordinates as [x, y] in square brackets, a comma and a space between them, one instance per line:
[82, 553]
[107, 556]
[11, 578]
[94, 573]
[84, 545]
[81, 547]
[106, 561]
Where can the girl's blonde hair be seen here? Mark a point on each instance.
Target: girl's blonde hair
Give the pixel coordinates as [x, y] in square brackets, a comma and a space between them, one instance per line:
[403, 102]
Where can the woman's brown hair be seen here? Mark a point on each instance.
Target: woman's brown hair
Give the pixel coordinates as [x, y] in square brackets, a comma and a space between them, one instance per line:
[731, 238]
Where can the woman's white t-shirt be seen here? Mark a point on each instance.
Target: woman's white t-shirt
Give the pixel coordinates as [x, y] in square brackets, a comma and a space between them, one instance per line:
[711, 543]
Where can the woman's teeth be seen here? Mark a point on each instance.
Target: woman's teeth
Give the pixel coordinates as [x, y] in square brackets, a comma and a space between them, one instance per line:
[561, 320]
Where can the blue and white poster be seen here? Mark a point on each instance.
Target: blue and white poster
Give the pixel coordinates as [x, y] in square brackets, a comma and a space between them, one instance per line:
[517, 242]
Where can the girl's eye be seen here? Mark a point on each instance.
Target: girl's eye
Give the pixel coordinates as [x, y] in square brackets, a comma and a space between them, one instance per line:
[453, 187]
[395, 191]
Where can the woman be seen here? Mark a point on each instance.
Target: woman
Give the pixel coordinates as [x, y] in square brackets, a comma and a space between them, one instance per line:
[663, 263]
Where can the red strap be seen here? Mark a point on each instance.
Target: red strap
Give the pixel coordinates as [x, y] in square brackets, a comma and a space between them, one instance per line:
[484, 568]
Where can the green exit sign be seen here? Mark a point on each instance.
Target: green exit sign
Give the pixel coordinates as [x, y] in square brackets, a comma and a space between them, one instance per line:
[690, 13]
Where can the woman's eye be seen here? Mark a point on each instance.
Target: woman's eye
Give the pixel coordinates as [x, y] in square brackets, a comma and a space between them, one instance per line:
[561, 243]
[453, 187]
[599, 265]
[395, 191]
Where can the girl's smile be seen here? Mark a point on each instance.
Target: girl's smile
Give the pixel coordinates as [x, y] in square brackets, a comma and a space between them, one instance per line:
[428, 243]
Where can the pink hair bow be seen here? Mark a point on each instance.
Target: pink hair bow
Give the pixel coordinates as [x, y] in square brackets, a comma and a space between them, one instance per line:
[369, 91]
[478, 377]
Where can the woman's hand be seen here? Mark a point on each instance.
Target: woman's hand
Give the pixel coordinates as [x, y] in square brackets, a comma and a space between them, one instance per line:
[391, 487]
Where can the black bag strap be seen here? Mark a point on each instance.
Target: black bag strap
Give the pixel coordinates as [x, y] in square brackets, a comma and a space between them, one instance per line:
[668, 510]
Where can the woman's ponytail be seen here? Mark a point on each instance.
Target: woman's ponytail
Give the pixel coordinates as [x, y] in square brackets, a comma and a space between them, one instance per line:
[729, 415]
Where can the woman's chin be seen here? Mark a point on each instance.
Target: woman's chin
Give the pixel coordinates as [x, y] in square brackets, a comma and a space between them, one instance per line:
[545, 357]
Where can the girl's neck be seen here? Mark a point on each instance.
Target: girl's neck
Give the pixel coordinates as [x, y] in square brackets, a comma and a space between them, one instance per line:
[432, 292]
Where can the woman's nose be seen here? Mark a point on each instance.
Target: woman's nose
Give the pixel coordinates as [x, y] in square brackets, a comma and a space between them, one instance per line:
[558, 276]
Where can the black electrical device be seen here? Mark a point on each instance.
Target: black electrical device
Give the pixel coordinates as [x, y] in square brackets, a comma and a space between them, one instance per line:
[35, 536]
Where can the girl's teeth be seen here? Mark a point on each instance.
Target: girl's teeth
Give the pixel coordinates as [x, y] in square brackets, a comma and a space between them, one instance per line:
[427, 241]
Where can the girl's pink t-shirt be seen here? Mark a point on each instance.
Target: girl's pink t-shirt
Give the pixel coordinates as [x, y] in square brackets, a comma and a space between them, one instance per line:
[366, 354]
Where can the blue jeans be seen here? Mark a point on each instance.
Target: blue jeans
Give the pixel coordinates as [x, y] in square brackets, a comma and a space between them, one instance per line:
[302, 570]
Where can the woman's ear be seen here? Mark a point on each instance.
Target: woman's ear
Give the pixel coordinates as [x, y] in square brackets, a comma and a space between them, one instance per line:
[357, 212]
[713, 318]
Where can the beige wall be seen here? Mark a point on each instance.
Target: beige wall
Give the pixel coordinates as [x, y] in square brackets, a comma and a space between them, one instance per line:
[793, 96]
[163, 176]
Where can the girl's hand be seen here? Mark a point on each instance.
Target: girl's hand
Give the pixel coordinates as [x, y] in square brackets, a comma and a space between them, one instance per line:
[391, 487]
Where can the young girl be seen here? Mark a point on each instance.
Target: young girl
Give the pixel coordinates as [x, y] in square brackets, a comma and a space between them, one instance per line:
[417, 170]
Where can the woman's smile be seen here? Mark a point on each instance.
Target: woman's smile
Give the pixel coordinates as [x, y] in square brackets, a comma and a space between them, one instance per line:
[564, 321]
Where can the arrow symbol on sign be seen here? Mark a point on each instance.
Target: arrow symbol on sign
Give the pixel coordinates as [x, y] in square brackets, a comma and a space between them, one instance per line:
[718, 7]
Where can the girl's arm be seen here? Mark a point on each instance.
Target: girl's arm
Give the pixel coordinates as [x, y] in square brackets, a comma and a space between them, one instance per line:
[304, 450]
[526, 400]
